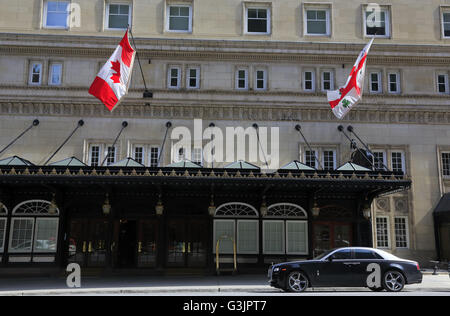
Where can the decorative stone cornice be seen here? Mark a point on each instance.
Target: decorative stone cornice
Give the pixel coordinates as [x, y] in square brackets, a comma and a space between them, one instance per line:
[305, 113]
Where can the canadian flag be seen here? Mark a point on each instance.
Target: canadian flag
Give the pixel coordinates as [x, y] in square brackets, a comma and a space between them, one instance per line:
[111, 83]
[346, 97]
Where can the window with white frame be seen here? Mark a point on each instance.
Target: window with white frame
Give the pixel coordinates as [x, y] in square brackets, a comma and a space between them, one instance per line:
[56, 14]
[260, 79]
[317, 21]
[257, 20]
[375, 82]
[174, 77]
[394, 82]
[382, 231]
[247, 237]
[153, 156]
[329, 159]
[193, 78]
[401, 232]
[285, 229]
[397, 161]
[308, 80]
[118, 16]
[34, 228]
[234, 222]
[445, 161]
[310, 158]
[327, 80]
[98, 152]
[55, 78]
[379, 160]
[446, 24]
[376, 21]
[35, 73]
[138, 154]
[197, 155]
[179, 18]
[442, 83]
[242, 79]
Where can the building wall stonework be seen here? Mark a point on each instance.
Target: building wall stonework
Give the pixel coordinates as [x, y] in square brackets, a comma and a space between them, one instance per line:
[415, 119]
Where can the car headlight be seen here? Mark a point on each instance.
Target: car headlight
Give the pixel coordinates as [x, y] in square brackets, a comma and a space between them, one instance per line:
[276, 269]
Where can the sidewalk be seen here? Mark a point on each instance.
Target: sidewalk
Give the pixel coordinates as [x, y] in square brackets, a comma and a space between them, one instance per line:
[177, 285]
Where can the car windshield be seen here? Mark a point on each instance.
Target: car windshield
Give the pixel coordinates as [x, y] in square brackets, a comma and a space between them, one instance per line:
[324, 254]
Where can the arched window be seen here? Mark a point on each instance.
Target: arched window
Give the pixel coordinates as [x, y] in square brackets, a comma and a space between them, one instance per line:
[285, 230]
[34, 228]
[236, 209]
[3, 213]
[236, 220]
[286, 210]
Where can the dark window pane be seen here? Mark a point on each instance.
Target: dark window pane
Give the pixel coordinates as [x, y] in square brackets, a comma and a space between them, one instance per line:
[316, 27]
[257, 26]
[366, 254]
[252, 13]
[342, 254]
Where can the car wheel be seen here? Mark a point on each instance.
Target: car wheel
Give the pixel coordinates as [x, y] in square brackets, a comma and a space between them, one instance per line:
[297, 282]
[393, 281]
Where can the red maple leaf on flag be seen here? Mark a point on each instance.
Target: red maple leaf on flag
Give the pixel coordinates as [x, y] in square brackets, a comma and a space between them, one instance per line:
[116, 67]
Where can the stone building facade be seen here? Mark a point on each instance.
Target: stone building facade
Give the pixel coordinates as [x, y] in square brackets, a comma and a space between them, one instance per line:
[235, 63]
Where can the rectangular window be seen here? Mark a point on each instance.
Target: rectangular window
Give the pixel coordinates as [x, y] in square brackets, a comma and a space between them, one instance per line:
[273, 237]
[46, 236]
[258, 20]
[247, 236]
[242, 79]
[35, 74]
[446, 24]
[445, 157]
[382, 229]
[442, 83]
[310, 158]
[317, 22]
[110, 155]
[296, 237]
[21, 236]
[94, 155]
[179, 18]
[401, 232]
[193, 78]
[139, 154]
[394, 82]
[224, 230]
[154, 156]
[327, 80]
[379, 160]
[2, 233]
[197, 156]
[118, 16]
[260, 80]
[375, 82]
[55, 74]
[174, 77]
[376, 23]
[397, 161]
[308, 81]
[329, 160]
[56, 14]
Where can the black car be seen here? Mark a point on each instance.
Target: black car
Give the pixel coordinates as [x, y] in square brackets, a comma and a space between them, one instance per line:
[347, 267]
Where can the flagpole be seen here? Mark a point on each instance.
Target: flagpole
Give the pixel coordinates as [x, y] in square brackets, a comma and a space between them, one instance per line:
[299, 129]
[79, 124]
[255, 126]
[139, 60]
[124, 124]
[168, 125]
[35, 123]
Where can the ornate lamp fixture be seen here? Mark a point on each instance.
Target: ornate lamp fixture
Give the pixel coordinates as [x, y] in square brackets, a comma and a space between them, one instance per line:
[315, 210]
[52, 208]
[263, 209]
[366, 209]
[159, 208]
[212, 208]
[106, 207]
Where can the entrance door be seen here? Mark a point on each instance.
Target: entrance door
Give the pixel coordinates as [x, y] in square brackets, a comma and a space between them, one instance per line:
[330, 235]
[187, 243]
[147, 243]
[127, 247]
[87, 242]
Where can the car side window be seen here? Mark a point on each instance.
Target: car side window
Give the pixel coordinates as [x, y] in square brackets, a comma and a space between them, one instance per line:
[343, 254]
[366, 254]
